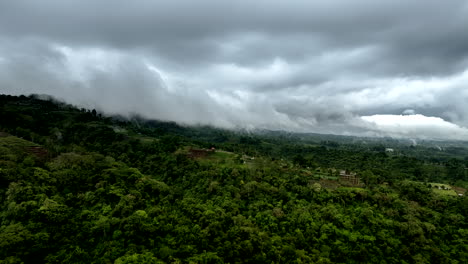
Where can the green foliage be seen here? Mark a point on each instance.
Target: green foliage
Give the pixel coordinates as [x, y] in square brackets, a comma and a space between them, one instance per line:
[144, 258]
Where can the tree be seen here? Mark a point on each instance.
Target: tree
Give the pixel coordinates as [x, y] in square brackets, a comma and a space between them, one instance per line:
[369, 178]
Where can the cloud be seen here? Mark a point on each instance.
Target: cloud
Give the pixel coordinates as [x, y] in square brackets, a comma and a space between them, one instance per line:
[409, 112]
[411, 125]
[315, 66]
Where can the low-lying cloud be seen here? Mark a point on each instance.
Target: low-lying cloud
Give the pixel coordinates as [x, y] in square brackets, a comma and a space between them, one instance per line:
[324, 66]
[410, 125]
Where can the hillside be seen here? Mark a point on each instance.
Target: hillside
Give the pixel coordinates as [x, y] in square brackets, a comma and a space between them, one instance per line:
[77, 186]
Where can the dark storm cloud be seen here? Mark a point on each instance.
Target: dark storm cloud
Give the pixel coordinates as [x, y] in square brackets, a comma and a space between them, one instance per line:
[298, 65]
[192, 30]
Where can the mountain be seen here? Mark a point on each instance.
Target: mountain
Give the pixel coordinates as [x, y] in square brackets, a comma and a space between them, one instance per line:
[78, 186]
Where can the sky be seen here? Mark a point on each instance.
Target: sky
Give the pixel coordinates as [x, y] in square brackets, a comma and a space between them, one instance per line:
[363, 67]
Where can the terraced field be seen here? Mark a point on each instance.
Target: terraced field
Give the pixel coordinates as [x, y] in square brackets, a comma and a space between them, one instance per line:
[10, 146]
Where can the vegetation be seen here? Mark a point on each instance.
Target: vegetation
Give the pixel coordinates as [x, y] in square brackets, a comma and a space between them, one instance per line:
[78, 187]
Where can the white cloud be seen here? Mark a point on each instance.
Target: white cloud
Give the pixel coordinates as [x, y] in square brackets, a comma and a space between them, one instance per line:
[418, 126]
[409, 112]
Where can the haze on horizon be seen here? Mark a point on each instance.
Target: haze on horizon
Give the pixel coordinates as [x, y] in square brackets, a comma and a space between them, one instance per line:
[371, 68]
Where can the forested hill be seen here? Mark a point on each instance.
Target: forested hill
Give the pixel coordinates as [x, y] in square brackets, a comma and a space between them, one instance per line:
[80, 187]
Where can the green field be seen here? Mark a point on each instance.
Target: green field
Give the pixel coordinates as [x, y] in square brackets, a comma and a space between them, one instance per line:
[446, 189]
[11, 147]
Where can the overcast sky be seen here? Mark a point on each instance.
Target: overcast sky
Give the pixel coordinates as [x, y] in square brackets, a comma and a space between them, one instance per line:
[374, 68]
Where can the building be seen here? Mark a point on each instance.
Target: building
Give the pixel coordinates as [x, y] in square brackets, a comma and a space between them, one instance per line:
[350, 177]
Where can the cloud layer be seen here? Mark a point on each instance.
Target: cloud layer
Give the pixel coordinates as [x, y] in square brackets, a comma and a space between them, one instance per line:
[410, 125]
[344, 67]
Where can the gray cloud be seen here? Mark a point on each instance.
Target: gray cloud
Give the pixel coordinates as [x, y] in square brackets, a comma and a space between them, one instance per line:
[297, 65]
